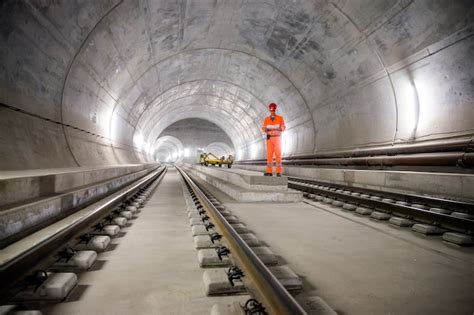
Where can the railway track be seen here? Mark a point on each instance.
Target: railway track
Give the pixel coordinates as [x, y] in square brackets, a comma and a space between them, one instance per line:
[41, 268]
[234, 249]
[234, 261]
[453, 219]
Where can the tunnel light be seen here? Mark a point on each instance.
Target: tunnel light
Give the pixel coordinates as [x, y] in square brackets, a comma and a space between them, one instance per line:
[425, 100]
[410, 107]
[254, 150]
[186, 152]
[175, 155]
[285, 142]
[240, 154]
[138, 141]
[114, 127]
[105, 118]
[148, 149]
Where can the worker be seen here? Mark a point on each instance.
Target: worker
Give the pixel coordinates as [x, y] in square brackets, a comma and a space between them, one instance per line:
[273, 126]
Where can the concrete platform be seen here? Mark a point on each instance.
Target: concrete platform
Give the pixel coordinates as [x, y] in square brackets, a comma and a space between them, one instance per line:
[457, 185]
[18, 220]
[246, 186]
[250, 180]
[23, 185]
[152, 269]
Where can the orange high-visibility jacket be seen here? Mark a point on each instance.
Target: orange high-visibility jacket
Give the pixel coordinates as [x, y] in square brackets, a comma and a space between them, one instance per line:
[273, 127]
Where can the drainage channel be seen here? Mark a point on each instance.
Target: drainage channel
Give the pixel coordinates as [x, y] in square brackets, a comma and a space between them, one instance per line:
[452, 219]
[236, 262]
[41, 269]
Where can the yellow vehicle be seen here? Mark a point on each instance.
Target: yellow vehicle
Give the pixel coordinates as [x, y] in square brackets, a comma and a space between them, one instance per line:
[210, 159]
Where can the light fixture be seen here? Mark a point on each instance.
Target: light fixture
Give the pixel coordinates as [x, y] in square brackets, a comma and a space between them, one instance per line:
[138, 141]
[254, 150]
[286, 142]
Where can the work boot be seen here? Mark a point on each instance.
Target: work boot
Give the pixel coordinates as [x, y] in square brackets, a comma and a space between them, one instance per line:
[267, 174]
[278, 175]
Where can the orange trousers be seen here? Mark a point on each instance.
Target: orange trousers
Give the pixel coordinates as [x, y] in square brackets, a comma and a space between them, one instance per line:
[274, 147]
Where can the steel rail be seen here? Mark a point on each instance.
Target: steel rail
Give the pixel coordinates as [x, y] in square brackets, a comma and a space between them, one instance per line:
[258, 279]
[27, 261]
[64, 196]
[445, 220]
[462, 206]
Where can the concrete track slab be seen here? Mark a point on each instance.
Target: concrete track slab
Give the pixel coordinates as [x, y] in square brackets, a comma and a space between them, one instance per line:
[244, 178]
[236, 186]
[53, 171]
[360, 266]
[152, 269]
[22, 186]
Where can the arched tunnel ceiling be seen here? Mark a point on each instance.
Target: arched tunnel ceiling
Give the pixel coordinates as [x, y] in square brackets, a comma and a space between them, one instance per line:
[220, 101]
[158, 61]
[127, 69]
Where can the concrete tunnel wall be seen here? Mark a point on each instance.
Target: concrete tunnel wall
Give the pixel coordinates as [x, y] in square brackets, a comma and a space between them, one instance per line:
[96, 82]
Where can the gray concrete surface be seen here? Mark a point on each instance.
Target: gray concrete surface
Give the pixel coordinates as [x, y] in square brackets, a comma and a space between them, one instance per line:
[460, 186]
[28, 214]
[96, 82]
[151, 269]
[23, 185]
[361, 266]
[243, 178]
[246, 186]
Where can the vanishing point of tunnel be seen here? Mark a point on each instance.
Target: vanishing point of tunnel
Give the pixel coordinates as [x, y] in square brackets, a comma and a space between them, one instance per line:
[236, 157]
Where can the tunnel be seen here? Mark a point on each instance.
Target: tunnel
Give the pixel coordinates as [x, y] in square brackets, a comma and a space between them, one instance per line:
[108, 107]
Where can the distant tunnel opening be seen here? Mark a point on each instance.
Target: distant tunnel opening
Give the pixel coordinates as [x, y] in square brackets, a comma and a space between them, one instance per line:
[185, 140]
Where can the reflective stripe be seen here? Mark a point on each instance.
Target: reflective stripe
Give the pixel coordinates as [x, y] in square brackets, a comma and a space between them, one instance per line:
[277, 123]
[273, 127]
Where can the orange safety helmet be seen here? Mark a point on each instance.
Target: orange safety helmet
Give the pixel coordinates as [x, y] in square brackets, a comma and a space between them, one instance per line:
[272, 107]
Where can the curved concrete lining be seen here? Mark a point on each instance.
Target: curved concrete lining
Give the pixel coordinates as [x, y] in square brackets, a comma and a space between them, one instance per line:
[89, 78]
